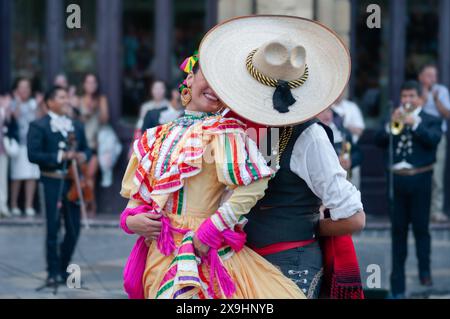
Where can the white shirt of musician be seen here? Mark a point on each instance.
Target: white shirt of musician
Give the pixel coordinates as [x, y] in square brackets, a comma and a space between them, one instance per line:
[63, 125]
[314, 159]
[417, 120]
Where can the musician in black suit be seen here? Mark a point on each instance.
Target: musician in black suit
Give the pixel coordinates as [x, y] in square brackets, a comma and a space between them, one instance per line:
[414, 153]
[53, 142]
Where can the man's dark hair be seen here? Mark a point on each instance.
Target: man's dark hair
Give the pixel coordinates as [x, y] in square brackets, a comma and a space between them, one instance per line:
[412, 85]
[426, 66]
[51, 93]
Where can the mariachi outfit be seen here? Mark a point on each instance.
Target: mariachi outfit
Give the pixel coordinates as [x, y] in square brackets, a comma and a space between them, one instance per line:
[414, 153]
[182, 169]
[47, 141]
[283, 225]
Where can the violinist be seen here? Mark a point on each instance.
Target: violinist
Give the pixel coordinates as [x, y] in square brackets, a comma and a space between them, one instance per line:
[50, 147]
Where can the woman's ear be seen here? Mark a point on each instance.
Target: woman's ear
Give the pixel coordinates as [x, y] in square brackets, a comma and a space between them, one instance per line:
[190, 79]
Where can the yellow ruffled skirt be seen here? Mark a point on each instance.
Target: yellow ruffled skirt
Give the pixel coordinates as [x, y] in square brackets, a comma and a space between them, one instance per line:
[254, 277]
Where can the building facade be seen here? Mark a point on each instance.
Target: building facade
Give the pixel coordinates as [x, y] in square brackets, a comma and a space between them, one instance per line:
[130, 43]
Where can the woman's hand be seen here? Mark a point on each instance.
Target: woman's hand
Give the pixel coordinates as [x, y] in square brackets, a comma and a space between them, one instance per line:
[146, 225]
[201, 249]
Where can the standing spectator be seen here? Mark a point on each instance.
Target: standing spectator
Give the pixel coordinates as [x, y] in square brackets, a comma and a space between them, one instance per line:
[24, 110]
[436, 102]
[94, 114]
[353, 121]
[158, 100]
[4, 118]
[164, 114]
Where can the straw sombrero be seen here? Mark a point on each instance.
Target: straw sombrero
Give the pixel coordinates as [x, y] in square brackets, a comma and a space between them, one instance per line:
[275, 70]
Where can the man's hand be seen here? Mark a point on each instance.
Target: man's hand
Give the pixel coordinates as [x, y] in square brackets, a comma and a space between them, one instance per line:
[80, 157]
[345, 161]
[146, 225]
[397, 115]
[69, 155]
[200, 248]
[409, 120]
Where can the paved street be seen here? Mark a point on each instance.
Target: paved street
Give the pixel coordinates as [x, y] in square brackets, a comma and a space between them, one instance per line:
[102, 253]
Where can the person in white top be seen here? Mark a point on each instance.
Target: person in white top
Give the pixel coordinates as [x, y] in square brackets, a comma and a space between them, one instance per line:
[354, 122]
[5, 115]
[436, 102]
[24, 110]
[352, 116]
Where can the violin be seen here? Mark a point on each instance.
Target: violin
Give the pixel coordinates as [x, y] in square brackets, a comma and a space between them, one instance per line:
[82, 182]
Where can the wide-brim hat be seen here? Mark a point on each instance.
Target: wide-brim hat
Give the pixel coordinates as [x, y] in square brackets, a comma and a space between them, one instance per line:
[275, 70]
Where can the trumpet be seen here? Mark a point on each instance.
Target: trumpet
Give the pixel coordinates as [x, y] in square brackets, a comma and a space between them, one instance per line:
[398, 126]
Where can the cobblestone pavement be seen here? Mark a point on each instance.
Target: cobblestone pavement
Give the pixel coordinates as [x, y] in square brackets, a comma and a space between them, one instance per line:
[102, 253]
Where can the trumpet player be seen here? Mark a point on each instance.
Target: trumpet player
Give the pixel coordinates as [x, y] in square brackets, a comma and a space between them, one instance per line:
[416, 135]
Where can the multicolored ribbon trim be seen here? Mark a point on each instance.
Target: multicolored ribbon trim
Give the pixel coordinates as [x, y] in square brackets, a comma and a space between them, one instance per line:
[187, 66]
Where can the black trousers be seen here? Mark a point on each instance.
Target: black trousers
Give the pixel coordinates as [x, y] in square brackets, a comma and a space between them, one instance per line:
[412, 198]
[59, 254]
[303, 265]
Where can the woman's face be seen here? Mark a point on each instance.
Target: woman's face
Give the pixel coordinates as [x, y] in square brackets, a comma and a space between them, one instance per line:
[24, 90]
[203, 97]
[90, 84]
[158, 91]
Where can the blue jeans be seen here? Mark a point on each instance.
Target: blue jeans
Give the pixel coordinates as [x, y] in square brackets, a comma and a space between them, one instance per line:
[303, 265]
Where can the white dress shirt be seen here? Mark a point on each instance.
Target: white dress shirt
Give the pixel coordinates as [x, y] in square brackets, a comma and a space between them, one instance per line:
[316, 162]
[63, 125]
[351, 115]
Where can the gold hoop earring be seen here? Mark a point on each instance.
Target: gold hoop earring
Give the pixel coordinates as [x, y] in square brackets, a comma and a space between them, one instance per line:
[186, 96]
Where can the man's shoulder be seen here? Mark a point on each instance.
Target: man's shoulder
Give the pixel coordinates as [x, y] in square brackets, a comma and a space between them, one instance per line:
[430, 117]
[42, 122]
[314, 133]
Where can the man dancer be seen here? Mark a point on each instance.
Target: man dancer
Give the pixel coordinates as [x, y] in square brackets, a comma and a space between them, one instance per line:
[49, 147]
[414, 153]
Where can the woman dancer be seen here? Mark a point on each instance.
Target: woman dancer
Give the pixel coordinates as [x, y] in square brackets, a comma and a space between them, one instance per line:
[179, 172]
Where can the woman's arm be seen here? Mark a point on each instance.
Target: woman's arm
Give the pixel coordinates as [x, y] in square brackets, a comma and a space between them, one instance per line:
[104, 110]
[231, 211]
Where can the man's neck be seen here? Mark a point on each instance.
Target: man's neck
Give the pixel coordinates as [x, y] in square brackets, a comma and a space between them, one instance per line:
[53, 113]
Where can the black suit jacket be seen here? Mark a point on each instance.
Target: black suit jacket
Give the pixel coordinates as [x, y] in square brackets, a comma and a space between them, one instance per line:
[44, 144]
[424, 140]
[151, 118]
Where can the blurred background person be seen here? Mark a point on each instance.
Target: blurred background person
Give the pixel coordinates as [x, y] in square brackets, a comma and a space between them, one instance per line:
[62, 81]
[164, 114]
[5, 115]
[24, 110]
[349, 153]
[414, 153]
[436, 102]
[157, 100]
[94, 113]
[353, 121]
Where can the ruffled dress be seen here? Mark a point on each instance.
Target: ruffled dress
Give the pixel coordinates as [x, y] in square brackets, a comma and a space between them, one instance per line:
[183, 170]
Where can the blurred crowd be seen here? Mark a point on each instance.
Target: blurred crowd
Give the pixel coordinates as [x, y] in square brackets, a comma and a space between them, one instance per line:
[21, 106]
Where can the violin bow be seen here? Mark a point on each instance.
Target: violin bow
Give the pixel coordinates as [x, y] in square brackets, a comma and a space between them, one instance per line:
[84, 216]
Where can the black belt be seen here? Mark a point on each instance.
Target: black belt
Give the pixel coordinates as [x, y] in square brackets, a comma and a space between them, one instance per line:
[55, 174]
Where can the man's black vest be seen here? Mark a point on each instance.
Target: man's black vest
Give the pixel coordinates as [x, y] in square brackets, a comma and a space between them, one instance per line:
[293, 212]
